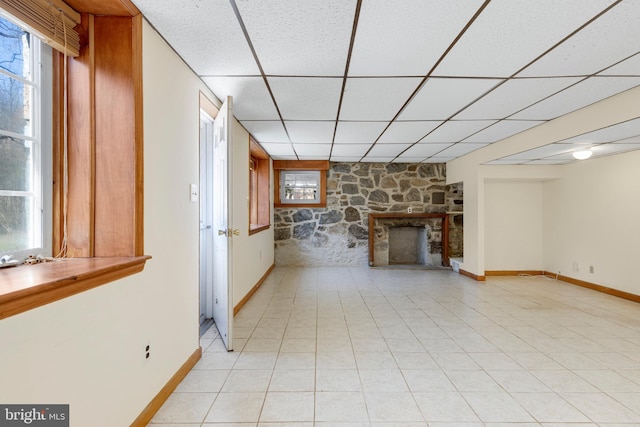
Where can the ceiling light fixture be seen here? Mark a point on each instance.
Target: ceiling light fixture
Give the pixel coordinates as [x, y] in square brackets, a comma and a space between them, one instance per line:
[582, 154]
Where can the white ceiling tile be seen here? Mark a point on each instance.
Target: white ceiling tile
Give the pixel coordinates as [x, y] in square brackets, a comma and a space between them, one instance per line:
[607, 149]
[548, 162]
[541, 152]
[310, 132]
[387, 150]
[312, 151]
[502, 130]
[342, 150]
[581, 95]
[509, 34]
[425, 150]
[408, 132]
[460, 149]
[628, 67]
[306, 98]
[376, 98]
[356, 132]
[513, 96]
[251, 99]
[505, 162]
[426, 26]
[439, 159]
[591, 50]
[456, 131]
[200, 45]
[440, 98]
[370, 159]
[632, 140]
[300, 38]
[405, 159]
[621, 131]
[266, 131]
[278, 149]
[345, 158]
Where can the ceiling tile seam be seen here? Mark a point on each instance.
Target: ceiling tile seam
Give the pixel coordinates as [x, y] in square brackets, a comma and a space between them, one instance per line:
[567, 37]
[354, 28]
[243, 27]
[426, 77]
[619, 62]
[513, 76]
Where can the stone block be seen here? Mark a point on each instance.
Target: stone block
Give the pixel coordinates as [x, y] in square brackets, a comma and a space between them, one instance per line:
[350, 189]
[388, 182]
[341, 167]
[358, 232]
[357, 201]
[282, 233]
[395, 167]
[330, 217]
[351, 214]
[379, 196]
[304, 231]
[303, 215]
[413, 195]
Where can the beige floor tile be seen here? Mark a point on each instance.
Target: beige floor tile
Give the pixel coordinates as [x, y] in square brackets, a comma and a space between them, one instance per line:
[392, 407]
[236, 407]
[293, 380]
[337, 380]
[185, 408]
[288, 407]
[341, 406]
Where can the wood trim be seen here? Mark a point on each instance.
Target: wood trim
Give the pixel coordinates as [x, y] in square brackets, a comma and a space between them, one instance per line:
[319, 165]
[156, 403]
[473, 276]
[253, 290]
[513, 272]
[26, 287]
[390, 215]
[256, 228]
[105, 7]
[276, 187]
[137, 24]
[208, 106]
[604, 289]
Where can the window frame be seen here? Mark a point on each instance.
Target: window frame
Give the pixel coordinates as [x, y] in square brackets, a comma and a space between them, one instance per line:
[259, 185]
[41, 100]
[320, 166]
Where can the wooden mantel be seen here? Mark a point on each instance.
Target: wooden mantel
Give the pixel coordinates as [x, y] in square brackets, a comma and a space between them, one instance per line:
[398, 215]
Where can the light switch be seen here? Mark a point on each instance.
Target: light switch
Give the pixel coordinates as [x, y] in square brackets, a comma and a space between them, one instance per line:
[193, 193]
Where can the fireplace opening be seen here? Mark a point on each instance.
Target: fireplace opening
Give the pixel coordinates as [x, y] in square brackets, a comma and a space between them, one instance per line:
[411, 245]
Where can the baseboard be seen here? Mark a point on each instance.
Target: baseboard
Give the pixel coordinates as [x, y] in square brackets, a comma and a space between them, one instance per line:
[253, 290]
[513, 272]
[599, 288]
[473, 276]
[164, 393]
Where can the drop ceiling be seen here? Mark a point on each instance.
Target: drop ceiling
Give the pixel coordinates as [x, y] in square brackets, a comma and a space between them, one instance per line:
[409, 80]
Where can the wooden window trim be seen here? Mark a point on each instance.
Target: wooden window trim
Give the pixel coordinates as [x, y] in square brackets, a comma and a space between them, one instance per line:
[105, 167]
[26, 287]
[259, 183]
[311, 165]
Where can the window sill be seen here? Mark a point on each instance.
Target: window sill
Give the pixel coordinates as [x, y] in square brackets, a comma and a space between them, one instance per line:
[26, 287]
[256, 228]
[300, 205]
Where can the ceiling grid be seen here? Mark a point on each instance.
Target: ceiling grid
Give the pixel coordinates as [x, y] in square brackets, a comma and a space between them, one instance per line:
[407, 81]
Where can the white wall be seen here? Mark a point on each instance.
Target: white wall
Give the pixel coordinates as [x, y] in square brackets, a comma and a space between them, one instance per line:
[471, 171]
[591, 217]
[89, 350]
[513, 225]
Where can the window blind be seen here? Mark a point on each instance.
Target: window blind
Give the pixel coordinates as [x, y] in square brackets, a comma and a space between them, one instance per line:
[53, 21]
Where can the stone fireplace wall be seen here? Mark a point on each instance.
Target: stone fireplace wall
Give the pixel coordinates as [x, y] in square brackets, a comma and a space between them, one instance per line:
[338, 234]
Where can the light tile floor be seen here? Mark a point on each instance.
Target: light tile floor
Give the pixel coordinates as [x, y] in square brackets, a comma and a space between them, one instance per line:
[355, 347]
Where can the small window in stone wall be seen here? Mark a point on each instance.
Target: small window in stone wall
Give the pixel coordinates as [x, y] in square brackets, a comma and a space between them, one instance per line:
[300, 183]
[299, 187]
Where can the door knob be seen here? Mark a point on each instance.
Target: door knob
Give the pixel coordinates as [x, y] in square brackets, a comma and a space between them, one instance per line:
[222, 232]
[235, 232]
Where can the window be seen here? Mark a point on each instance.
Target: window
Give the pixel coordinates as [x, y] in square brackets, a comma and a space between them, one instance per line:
[301, 183]
[299, 187]
[25, 148]
[259, 203]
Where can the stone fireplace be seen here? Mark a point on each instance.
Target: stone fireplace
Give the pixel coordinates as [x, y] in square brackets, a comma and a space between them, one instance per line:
[408, 239]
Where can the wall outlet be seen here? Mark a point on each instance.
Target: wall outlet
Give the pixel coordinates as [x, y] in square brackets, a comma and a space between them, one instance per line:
[591, 269]
[193, 192]
[409, 210]
[147, 351]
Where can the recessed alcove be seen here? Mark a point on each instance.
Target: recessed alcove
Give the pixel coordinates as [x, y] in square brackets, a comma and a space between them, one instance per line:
[418, 239]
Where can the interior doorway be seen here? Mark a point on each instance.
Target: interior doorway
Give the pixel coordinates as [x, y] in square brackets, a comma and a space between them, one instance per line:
[206, 221]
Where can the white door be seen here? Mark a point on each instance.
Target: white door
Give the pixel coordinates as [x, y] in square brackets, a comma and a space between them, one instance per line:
[222, 227]
[206, 221]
